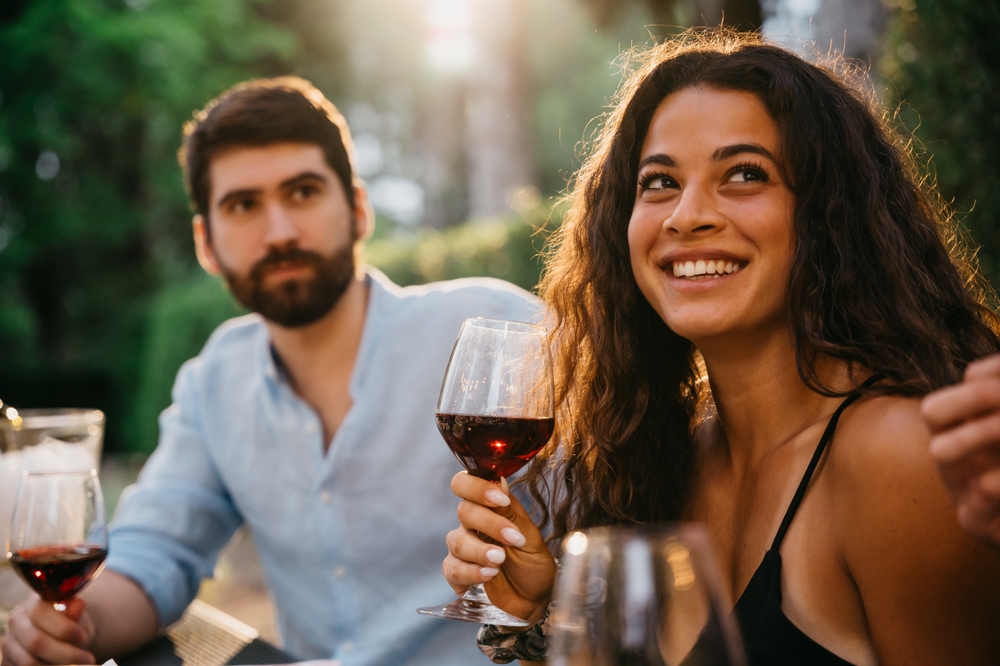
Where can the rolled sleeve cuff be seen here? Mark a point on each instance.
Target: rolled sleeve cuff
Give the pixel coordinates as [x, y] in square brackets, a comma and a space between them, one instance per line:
[153, 562]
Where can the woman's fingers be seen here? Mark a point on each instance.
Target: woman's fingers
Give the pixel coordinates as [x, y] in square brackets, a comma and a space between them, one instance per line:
[478, 490]
[477, 518]
[461, 574]
[467, 547]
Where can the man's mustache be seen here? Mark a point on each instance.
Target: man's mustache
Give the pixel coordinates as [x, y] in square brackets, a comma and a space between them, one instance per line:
[278, 256]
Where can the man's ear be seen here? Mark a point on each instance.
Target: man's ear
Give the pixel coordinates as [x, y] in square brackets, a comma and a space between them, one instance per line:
[203, 247]
[364, 215]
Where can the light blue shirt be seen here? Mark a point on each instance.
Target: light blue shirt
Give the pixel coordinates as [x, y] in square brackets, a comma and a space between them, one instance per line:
[351, 540]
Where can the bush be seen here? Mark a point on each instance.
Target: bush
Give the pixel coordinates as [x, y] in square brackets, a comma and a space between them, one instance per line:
[943, 60]
[181, 319]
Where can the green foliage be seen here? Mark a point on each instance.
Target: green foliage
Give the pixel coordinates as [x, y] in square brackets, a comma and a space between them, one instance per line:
[504, 248]
[182, 317]
[92, 212]
[945, 64]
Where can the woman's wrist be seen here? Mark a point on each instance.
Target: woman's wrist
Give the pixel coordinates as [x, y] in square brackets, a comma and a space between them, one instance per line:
[502, 645]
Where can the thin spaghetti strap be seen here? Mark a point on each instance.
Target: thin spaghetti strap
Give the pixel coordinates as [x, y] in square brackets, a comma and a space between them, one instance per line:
[823, 441]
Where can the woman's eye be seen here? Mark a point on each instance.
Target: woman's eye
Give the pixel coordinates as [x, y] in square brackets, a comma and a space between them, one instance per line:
[656, 182]
[747, 174]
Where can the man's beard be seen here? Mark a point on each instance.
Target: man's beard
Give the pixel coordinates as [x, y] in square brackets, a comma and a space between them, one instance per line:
[295, 302]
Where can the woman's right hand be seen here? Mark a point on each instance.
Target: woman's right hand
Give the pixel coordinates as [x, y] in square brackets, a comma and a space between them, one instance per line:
[518, 570]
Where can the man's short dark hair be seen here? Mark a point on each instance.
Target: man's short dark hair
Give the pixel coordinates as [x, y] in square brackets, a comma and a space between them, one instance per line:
[259, 113]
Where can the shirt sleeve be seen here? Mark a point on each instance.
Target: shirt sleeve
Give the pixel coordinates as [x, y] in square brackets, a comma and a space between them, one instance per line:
[170, 526]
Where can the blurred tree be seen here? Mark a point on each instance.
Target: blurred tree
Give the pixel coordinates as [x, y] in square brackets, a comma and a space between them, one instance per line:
[944, 62]
[743, 14]
[92, 213]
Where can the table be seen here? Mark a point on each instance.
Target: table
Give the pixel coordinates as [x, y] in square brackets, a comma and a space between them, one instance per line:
[205, 636]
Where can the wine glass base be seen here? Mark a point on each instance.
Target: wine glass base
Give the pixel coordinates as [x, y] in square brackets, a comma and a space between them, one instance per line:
[475, 606]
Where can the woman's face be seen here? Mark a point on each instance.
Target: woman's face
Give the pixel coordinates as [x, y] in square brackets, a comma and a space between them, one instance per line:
[710, 236]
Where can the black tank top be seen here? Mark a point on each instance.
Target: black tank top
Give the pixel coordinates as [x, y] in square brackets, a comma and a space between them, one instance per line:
[771, 639]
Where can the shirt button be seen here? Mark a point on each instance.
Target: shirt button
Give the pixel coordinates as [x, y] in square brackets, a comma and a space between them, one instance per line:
[325, 497]
[310, 428]
[340, 572]
[347, 646]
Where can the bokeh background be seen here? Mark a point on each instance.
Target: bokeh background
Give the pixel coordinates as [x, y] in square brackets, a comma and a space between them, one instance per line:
[469, 118]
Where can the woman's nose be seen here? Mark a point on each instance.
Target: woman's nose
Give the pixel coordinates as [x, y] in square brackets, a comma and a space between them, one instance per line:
[696, 213]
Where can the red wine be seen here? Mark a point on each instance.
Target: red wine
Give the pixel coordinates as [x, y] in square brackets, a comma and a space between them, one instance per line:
[57, 573]
[494, 446]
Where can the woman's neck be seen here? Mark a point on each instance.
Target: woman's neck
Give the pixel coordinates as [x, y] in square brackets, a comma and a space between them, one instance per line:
[760, 398]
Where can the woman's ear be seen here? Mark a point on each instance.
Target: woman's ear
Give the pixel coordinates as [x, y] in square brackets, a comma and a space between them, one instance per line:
[203, 245]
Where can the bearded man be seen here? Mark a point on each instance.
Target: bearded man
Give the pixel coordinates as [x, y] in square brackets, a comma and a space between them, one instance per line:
[311, 421]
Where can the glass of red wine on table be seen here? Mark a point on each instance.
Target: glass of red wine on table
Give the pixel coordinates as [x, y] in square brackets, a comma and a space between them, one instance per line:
[59, 535]
[495, 411]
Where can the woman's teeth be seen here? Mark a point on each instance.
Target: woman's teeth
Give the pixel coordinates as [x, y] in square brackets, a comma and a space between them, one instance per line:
[704, 269]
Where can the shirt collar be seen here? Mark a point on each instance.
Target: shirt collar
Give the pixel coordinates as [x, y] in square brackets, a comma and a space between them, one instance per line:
[381, 293]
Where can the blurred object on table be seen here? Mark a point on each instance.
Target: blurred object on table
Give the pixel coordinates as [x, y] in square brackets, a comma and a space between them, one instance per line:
[10, 425]
[206, 636]
[36, 440]
[642, 595]
[239, 587]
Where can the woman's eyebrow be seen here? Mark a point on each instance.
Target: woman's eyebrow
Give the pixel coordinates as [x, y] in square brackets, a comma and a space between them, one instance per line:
[658, 158]
[730, 151]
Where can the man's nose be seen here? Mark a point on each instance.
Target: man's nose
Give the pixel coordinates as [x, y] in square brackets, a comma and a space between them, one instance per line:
[281, 228]
[696, 212]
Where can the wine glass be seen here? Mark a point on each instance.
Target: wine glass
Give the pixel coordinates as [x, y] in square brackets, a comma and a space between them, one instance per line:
[495, 411]
[641, 596]
[59, 536]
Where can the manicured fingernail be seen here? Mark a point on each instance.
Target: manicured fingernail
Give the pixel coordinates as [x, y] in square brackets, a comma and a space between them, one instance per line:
[489, 572]
[497, 497]
[513, 537]
[496, 555]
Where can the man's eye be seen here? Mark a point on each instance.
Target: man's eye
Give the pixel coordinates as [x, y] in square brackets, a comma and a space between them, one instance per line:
[303, 192]
[243, 205]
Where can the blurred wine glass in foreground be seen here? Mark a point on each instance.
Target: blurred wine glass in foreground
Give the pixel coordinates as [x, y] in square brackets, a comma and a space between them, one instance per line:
[641, 597]
[59, 536]
[495, 411]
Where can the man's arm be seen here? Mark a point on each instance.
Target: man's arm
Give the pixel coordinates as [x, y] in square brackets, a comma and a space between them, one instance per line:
[964, 421]
[112, 616]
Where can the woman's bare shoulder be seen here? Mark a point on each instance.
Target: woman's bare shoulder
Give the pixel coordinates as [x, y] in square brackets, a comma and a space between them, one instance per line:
[879, 437]
[917, 572]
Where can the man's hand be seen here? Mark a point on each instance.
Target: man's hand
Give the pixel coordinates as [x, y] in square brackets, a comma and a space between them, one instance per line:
[38, 633]
[112, 616]
[965, 443]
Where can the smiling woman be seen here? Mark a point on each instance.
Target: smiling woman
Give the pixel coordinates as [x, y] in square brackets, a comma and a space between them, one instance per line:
[750, 292]
[710, 194]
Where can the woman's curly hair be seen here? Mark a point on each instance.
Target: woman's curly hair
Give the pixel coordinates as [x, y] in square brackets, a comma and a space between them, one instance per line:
[881, 277]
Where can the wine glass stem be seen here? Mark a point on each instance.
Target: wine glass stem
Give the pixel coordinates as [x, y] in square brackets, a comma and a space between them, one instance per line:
[59, 606]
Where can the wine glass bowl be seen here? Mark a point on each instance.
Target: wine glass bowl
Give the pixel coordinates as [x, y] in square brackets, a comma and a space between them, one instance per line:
[495, 411]
[58, 539]
[641, 596]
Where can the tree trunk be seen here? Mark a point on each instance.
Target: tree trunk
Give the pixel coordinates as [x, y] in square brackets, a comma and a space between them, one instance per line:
[496, 119]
